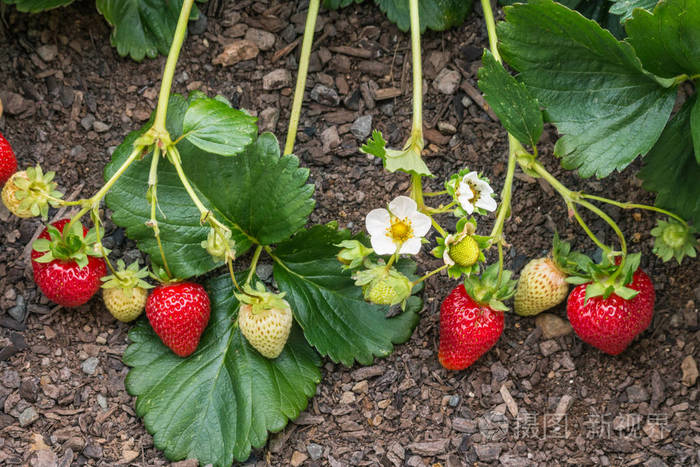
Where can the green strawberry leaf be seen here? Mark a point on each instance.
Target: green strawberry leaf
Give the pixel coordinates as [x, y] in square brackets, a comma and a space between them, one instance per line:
[695, 129]
[224, 399]
[178, 218]
[263, 193]
[667, 41]
[592, 86]
[437, 15]
[671, 170]
[518, 111]
[259, 195]
[142, 28]
[407, 160]
[329, 307]
[35, 6]
[215, 127]
[625, 8]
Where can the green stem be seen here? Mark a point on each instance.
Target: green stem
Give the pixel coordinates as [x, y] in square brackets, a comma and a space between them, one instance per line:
[175, 160]
[507, 193]
[438, 227]
[491, 28]
[584, 226]
[434, 193]
[253, 264]
[306, 44]
[229, 263]
[634, 206]
[431, 273]
[623, 243]
[105, 256]
[417, 67]
[393, 259]
[89, 203]
[441, 209]
[417, 191]
[169, 71]
[153, 199]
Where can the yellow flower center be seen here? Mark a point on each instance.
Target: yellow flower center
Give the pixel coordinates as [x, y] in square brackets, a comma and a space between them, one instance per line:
[400, 230]
[475, 192]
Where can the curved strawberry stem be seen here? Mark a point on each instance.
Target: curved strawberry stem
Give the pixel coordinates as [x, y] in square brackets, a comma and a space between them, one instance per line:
[253, 264]
[627, 205]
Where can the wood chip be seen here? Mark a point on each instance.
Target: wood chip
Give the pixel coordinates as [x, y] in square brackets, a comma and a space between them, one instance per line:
[476, 96]
[386, 93]
[352, 51]
[510, 402]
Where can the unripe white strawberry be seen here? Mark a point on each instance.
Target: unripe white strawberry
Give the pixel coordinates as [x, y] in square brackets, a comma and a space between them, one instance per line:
[9, 196]
[542, 285]
[265, 319]
[267, 330]
[125, 305]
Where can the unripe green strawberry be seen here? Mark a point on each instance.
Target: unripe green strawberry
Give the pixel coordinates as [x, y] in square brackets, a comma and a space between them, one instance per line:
[267, 330]
[9, 196]
[382, 293]
[125, 305]
[542, 285]
[466, 252]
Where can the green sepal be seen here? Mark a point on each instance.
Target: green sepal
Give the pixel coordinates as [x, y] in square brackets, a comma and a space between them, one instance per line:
[674, 240]
[487, 290]
[598, 276]
[36, 191]
[353, 253]
[260, 299]
[378, 274]
[127, 278]
[407, 160]
[69, 246]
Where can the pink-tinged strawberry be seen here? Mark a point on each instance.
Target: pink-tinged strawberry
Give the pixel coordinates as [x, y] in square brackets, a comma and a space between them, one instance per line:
[66, 265]
[8, 161]
[472, 318]
[542, 283]
[179, 313]
[609, 316]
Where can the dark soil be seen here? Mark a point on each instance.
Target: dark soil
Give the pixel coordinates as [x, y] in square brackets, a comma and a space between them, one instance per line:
[530, 400]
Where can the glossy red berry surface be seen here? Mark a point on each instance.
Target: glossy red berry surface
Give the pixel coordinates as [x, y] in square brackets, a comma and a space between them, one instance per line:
[467, 330]
[8, 161]
[64, 282]
[179, 313]
[611, 324]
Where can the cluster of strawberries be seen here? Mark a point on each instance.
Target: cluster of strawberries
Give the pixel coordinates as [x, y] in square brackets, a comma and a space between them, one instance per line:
[70, 268]
[606, 309]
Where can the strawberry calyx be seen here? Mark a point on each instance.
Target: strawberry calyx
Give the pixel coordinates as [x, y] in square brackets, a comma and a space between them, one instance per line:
[487, 290]
[32, 191]
[260, 299]
[127, 278]
[384, 286]
[352, 253]
[610, 276]
[674, 239]
[567, 261]
[69, 245]
[219, 245]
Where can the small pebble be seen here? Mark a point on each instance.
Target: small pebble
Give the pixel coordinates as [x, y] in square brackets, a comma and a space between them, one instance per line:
[28, 416]
[89, 366]
[454, 400]
[314, 450]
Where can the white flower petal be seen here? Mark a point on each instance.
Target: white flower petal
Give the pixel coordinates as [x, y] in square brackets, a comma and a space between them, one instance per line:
[377, 221]
[383, 245]
[403, 206]
[484, 188]
[420, 224]
[471, 177]
[447, 258]
[465, 190]
[486, 202]
[410, 246]
[466, 204]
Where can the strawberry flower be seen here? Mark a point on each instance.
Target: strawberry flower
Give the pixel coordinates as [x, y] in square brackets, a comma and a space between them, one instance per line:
[397, 229]
[471, 192]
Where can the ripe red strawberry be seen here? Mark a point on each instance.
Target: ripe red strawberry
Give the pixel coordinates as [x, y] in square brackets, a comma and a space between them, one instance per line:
[467, 330]
[611, 324]
[179, 313]
[8, 161]
[68, 276]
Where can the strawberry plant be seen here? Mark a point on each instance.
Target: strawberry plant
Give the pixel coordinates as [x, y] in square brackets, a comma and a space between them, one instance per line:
[216, 367]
